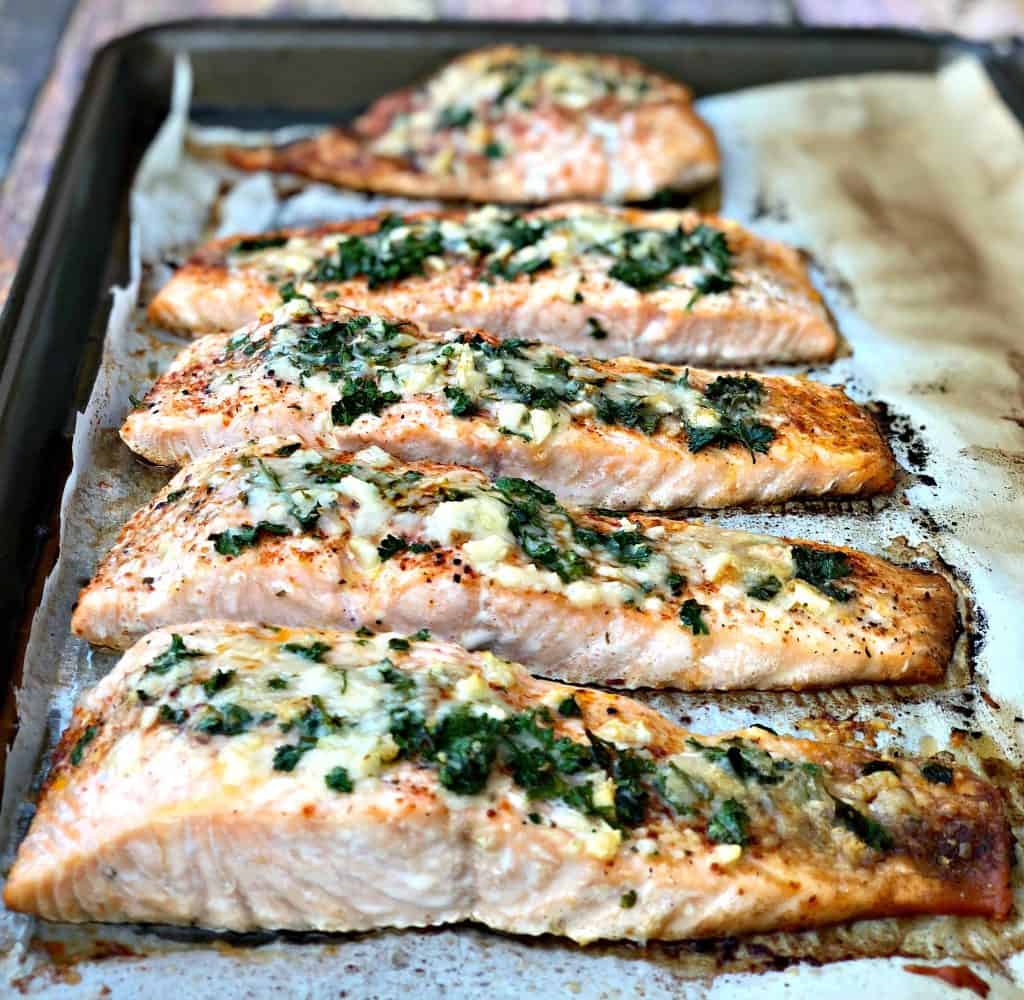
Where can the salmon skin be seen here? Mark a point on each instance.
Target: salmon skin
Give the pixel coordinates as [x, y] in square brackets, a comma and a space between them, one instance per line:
[668, 286]
[243, 777]
[277, 532]
[513, 124]
[621, 434]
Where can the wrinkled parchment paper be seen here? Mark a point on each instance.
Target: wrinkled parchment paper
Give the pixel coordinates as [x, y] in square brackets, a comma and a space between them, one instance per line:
[907, 193]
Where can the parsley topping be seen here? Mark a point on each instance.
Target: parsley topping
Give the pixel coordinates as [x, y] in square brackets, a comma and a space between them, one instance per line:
[172, 656]
[217, 682]
[254, 243]
[690, 614]
[314, 652]
[866, 829]
[227, 720]
[380, 257]
[78, 750]
[176, 716]
[765, 588]
[288, 755]
[529, 508]
[729, 824]
[628, 900]
[337, 780]
[819, 567]
[735, 399]
[646, 257]
[391, 545]
[460, 404]
[454, 117]
[359, 396]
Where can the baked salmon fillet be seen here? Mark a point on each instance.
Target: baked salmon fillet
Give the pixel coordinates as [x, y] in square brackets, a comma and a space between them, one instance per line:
[242, 777]
[671, 286]
[621, 434]
[280, 533]
[514, 124]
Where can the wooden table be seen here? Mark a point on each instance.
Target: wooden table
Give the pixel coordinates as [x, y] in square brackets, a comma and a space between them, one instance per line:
[46, 47]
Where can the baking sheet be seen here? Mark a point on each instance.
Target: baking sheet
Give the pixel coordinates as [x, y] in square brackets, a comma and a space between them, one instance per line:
[907, 192]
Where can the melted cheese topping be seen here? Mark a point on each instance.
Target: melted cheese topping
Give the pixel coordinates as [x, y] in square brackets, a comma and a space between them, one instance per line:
[501, 243]
[510, 531]
[462, 108]
[335, 711]
[526, 390]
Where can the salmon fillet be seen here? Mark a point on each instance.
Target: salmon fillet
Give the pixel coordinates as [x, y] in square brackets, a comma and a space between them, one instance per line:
[622, 434]
[276, 532]
[514, 124]
[667, 285]
[247, 777]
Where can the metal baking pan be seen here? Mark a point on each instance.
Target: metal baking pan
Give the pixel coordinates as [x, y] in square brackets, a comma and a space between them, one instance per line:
[53, 320]
[51, 328]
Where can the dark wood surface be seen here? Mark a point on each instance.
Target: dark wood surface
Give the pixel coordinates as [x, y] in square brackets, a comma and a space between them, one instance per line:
[46, 47]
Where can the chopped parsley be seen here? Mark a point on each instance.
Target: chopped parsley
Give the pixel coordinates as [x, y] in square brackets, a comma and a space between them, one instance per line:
[454, 117]
[218, 681]
[569, 708]
[254, 243]
[78, 750]
[337, 780]
[225, 720]
[864, 828]
[233, 541]
[691, 615]
[401, 682]
[729, 824]
[176, 716]
[633, 413]
[628, 899]
[765, 588]
[380, 257]
[529, 509]
[314, 651]
[359, 396]
[735, 399]
[819, 567]
[459, 403]
[391, 545]
[646, 257]
[747, 761]
[288, 755]
[174, 654]
[288, 292]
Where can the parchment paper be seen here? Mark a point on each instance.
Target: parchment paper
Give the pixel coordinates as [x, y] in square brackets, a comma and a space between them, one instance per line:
[907, 193]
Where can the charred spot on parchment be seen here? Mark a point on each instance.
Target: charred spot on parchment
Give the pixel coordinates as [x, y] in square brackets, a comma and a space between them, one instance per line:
[901, 430]
[771, 207]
